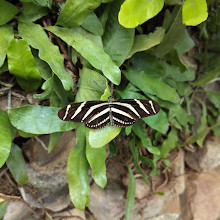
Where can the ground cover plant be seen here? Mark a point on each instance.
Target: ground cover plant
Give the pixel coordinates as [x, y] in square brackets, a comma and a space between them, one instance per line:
[74, 51]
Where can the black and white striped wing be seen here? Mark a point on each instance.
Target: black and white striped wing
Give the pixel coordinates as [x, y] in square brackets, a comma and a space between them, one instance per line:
[126, 112]
[94, 114]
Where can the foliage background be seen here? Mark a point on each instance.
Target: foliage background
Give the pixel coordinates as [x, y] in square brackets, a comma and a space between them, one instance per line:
[77, 51]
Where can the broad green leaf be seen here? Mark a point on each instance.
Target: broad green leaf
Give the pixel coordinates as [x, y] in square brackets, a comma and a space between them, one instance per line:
[194, 12]
[180, 114]
[77, 171]
[3, 206]
[7, 11]
[54, 138]
[6, 35]
[169, 144]
[21, 64]
[185, 43]
[34, 34]
[5, 137]
[144, 42]
[142, 134]
[155, 86]
[172, 37]
[117, 40]
[100, 137]
[32, 12]
[38, 120]
[214, 97]
[207, 77]
[16, 165]
[96, 158]
[91, 85]
[158, 122]
[75, 12]
[135, 154]
[134, 13]
[95, 55]
[130, 194]
[93, 25]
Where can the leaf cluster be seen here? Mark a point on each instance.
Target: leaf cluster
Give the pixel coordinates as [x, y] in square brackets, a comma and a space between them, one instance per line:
[99, 44]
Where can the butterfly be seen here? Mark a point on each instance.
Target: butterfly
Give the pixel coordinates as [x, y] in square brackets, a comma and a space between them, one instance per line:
[98, 114]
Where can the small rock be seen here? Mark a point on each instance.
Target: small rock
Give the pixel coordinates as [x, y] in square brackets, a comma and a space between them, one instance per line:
[109, 203]
[47, 173]
[210, 154]
[18, 210]
[202, 196]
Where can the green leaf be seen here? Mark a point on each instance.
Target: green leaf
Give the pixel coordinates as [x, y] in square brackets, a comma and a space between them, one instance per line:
[202, 126]
[134, 13]
[169, 144]
[54, 138]
[48, 86]
[93, 25]
[16, 165]
[172, 37]
[6, 35]
[158, 122]
[120, 48]
[155, 86]
[3, 206]
[144, 42]
[185, 43]
[101, 137]
[142, 134]
[194, 12]
[208, 77]
[7, 12]
[167, 163]
[214, 97]
[77, 171]
[135, 154]
[32, 12]
[75, 12]
[21, 64]
[96, 158]
[38, 120]
[91, 85]
[5, 137]
[34, 34]
[95, 55]
[130, 194]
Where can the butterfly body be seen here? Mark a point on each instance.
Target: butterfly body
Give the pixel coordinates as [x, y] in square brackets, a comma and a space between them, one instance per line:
[97, 114]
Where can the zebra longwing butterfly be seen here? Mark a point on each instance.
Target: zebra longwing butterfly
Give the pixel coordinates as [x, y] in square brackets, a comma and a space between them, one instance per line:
[97, 114]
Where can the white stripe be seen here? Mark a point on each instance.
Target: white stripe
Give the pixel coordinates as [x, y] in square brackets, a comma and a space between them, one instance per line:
[142, 106]
[99, 114]
[128, 106]
[96, 125]
[78, 110]
[123, 122]
[152, 106]
[121, 112]
[67, 110]
[93, 108]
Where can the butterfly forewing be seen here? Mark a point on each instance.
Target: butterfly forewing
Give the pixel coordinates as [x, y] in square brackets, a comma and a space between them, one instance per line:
[97, 114]
[78, 112]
